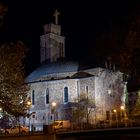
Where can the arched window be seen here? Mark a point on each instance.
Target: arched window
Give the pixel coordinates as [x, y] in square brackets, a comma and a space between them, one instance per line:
[33, 97]
[87, 89]
[65, 94]
[47, 96]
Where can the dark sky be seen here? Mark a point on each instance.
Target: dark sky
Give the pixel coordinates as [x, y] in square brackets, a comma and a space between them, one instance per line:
[83, 23]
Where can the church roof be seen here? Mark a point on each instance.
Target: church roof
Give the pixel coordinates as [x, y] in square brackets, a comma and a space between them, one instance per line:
[47, 70]
[81, 74]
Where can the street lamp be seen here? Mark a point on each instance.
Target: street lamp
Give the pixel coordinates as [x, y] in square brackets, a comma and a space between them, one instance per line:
[54, 104]
[122, 107]
[29, 105]
[114, 110]
[0, 112]
[122, 113]
[110, 105]
[54, 109]
[116, 116]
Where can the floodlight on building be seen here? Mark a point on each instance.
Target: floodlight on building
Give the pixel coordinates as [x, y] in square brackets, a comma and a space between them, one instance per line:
[109, 91]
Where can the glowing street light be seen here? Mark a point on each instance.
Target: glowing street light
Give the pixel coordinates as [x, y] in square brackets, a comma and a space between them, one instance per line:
[29, 103]
[122, 107]
[54, 104]
[114, 110]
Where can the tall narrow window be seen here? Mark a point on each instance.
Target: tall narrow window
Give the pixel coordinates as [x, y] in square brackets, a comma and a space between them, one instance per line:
[33, 97]
[87, 94]
[61, 53]
[87, 89]
[47, 96]
[65, 94]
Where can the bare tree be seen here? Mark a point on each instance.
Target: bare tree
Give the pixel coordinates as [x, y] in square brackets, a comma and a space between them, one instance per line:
[82, 111]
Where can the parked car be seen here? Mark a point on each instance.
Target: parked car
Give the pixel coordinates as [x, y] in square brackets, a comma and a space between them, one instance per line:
[17, 130]
[2, 131]
[62, 125]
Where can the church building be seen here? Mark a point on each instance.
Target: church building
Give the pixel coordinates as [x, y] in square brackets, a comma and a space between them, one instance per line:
[66, 90]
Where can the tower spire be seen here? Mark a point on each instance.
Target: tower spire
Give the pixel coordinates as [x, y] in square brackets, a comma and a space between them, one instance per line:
[56, 14]
[52, 44]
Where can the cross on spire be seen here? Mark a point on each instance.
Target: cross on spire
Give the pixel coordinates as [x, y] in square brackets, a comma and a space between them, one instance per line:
[56, 14]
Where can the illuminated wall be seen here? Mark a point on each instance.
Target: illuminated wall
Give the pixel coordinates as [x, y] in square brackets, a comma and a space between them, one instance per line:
[106, 88]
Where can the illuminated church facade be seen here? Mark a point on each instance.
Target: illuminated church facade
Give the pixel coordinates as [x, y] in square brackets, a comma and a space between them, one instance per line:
[95, 91]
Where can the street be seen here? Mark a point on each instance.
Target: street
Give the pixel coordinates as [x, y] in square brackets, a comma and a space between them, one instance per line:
[109, 134]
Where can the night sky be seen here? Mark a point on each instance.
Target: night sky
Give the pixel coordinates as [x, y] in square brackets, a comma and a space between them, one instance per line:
[83, 24]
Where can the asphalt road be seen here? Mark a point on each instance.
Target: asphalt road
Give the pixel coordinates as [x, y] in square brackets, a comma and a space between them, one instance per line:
[110, 134]
[130, 137]
[50, 137]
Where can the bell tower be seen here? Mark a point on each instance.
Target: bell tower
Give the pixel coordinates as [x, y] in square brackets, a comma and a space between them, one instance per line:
[52, 44]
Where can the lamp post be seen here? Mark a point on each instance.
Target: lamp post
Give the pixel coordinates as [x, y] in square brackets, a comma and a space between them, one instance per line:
[54, 109]
[0, 112]
[116, 116]
[110, 107]
[122, 114]
[29, 105]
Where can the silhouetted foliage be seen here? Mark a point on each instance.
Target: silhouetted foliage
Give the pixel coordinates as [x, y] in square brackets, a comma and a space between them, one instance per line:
[121, 48]
[13, 91]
